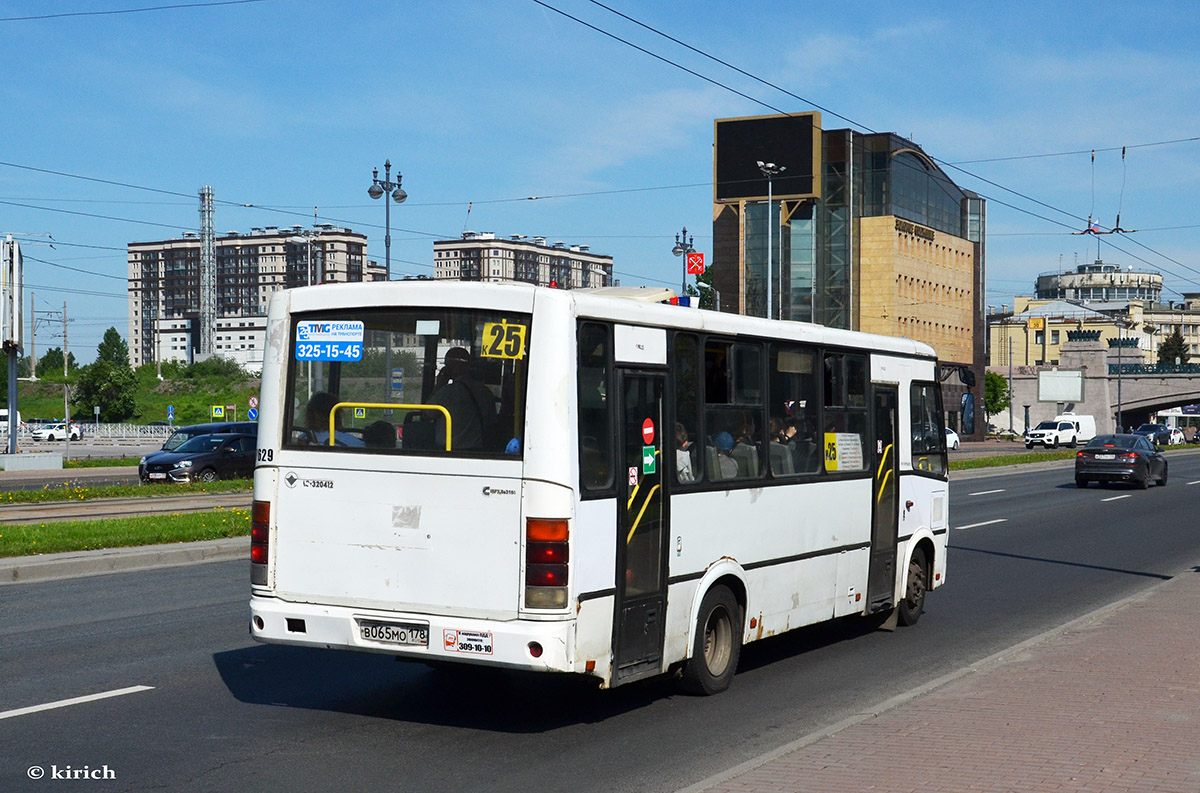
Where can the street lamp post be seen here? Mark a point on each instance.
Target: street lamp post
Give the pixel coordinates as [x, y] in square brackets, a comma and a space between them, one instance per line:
[770, 170]
[377, 190]
[683, 245]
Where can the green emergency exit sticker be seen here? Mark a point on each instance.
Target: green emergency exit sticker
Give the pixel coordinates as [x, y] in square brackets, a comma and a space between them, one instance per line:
[648, 459]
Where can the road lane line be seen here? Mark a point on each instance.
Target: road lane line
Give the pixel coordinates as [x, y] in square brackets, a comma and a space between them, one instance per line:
[1197, 482]
[985, 523]
[63, 703]
[1116, 498]
[985, 492]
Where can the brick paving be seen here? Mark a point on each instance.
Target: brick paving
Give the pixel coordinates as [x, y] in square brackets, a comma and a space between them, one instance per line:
[1111, 704]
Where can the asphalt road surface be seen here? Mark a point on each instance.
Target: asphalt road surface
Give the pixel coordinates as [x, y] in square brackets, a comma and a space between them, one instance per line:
[1029, 551]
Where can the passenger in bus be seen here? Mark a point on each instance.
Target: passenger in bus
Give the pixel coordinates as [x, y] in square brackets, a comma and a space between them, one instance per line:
[683, 455]
[317, 421]
[471, 404]
[380, 435]
[720, 464]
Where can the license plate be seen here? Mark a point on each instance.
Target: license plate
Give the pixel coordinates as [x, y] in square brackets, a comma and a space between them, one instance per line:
[1106, 456]
[402, 633]
[158, 476]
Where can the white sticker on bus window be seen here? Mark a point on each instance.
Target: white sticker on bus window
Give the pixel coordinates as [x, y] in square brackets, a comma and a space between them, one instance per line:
[329, 341]
[428, 327]
[843, 451]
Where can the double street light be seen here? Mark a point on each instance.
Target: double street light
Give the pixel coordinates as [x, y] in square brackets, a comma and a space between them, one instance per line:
[770, 170]
[683, 246]
[376, 190]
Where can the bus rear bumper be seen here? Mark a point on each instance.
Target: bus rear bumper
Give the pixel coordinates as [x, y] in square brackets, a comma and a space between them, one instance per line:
[516, 644]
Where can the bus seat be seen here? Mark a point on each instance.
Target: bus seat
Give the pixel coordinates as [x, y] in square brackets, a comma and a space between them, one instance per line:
[418, 433]
[746, 457]
[781, 459]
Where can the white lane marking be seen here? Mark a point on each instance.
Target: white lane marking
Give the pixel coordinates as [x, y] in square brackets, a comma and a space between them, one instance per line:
[985, 492]
[1197, 482]
[63, 703]
[1116, 498]
[985, 523]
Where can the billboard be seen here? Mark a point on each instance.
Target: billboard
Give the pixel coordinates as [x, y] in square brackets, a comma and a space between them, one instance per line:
[791, 141]
[1060, 386]
[10, 294]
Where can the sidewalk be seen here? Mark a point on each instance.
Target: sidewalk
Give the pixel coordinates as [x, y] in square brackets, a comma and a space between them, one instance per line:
[1107, 703]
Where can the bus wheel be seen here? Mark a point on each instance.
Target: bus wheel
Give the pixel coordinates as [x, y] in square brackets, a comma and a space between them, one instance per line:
[717, 644]
[914, 593]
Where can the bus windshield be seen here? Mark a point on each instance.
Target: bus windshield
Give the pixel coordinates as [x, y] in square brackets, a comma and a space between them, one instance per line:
[393, 380]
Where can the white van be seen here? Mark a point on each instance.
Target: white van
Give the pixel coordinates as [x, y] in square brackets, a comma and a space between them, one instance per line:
[4, 421]
[1085, 426]
[1067, 429]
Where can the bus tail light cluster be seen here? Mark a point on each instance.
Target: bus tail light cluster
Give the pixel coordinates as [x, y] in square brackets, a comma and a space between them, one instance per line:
[546, 558]
[260, 540]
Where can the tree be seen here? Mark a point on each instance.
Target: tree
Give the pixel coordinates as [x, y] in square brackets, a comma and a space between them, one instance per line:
[995, 393]
[113, 349]
[111, 387]
[52, 362]
[1173, 347]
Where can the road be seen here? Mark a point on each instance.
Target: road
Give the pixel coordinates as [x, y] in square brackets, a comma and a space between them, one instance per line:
[1029, 552]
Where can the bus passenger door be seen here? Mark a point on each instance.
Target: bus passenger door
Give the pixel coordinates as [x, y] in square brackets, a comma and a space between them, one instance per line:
[641, 526]
[881, 580]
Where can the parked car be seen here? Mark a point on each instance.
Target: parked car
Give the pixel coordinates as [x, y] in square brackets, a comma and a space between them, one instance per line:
[1158, 434]
[1052, 434]
[204, 458]
[951, 439]
[1177, 437]
[183, 434]
[1120, 458]
[56, 432]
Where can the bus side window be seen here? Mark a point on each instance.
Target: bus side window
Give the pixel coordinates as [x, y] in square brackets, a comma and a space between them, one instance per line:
[792, 407]
[733, 426]
[845, 411]
[689, 443]
[596, 432]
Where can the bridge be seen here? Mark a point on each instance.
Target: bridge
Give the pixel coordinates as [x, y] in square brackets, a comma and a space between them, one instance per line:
[1098, 378]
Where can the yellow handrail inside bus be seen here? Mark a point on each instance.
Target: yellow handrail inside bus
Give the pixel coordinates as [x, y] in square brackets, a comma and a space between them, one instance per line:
[387, 405]
[637, 521]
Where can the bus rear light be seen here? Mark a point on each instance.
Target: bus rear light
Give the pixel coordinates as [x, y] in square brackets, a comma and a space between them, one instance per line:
[546, 569]
[535, 649]
[260, 540]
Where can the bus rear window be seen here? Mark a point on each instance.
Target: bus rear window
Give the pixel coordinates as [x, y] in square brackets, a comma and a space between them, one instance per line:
[394, 380]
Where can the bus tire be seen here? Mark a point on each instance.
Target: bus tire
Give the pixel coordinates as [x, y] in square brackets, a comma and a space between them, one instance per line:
[913, 602]
[716, 646]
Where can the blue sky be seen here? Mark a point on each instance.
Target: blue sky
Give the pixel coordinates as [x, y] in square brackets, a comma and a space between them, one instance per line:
[289, 104]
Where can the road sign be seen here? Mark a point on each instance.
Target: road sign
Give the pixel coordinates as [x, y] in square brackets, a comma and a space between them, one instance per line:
[252, 414]
[218, 411]
[253, 401]
[695, 264]
[170, 412]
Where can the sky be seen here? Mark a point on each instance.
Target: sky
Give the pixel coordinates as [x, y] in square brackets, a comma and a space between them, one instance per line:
[512, 117]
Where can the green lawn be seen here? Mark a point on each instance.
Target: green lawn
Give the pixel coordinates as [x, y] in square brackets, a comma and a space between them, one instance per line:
[31, 539]
[70, 491]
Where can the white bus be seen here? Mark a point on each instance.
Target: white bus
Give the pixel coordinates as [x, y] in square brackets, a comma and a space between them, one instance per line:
[568, 481]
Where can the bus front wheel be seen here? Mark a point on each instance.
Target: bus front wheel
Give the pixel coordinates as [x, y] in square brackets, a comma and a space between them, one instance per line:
[716, 646]
[914, 592]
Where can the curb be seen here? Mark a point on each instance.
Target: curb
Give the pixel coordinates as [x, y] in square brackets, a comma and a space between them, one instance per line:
[25, 569]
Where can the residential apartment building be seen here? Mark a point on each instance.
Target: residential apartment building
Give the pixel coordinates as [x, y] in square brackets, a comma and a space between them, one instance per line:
[482, 256]
[164, 287]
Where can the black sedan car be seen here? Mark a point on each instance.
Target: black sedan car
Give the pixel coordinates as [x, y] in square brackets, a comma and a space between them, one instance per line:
[1120, 458]
[1159, 434]
[205, 458]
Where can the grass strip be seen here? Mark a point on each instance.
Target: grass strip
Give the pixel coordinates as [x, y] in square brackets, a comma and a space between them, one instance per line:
[60, 537]
[73, 491]
[102, 462]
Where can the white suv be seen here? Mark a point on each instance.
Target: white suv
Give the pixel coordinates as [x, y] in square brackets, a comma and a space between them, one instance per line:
[1052, 434]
